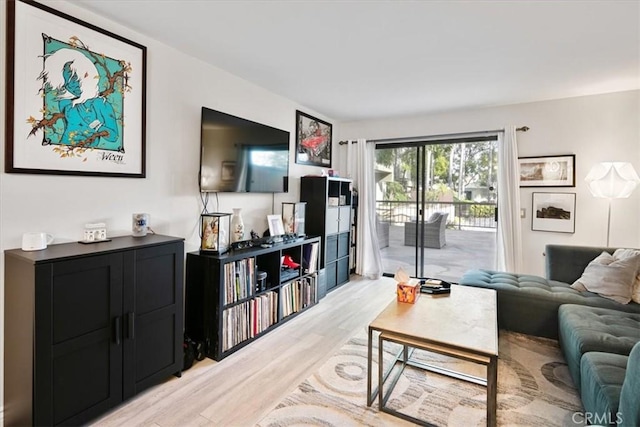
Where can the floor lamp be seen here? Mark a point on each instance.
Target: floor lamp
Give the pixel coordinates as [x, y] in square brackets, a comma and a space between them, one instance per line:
[612, 180]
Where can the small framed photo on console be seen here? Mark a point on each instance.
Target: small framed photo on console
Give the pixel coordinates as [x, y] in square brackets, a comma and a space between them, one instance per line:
[276, 228]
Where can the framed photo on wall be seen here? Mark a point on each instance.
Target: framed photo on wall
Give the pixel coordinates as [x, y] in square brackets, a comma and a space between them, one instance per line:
[76, 96]
[554, 212]
[548, 171]
[313, 140]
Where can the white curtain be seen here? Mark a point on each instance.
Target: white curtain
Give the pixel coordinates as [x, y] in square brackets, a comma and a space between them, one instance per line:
[509, 226]
[361, 168]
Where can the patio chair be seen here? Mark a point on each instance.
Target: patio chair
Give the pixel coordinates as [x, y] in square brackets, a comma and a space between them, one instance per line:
[382, 229]
[434, 231]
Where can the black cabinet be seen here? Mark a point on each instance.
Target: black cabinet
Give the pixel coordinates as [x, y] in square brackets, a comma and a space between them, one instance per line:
[227, 306]
[88, 326]
[328, 215]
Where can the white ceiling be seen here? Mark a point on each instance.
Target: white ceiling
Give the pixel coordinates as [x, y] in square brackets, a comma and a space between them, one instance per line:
[358, 60]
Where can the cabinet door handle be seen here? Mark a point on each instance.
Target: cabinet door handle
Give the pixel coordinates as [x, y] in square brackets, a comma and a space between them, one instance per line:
[131, 325]
[117, 325]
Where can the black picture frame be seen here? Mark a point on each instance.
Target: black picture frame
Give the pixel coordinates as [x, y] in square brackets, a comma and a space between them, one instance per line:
[548, 171]
[87, 118]
[313, 140]
[555, 212]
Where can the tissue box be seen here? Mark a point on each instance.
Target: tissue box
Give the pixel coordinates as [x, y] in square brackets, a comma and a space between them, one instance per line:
[408, 292]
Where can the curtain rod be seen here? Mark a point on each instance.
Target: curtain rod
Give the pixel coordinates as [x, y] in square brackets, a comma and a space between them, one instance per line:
[431, 137]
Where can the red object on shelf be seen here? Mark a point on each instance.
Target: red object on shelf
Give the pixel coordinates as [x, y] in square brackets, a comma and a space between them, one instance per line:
[287, 261]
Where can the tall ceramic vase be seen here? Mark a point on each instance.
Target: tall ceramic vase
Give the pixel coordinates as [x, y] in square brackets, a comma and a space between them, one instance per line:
[237, 226]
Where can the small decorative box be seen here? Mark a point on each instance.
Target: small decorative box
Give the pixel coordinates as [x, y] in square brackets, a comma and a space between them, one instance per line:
[95, 232]
[408, 292]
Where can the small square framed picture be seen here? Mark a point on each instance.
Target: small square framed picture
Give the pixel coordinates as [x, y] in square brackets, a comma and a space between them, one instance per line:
[554, 212]
[276, 228]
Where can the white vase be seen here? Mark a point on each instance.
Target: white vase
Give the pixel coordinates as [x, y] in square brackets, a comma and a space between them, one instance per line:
[237, 226]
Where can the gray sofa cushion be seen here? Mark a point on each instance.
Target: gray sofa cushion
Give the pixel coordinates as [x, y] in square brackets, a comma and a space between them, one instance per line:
[529, 304]
[566, 263]
[583, 329]
[629, 408]
[602, 378]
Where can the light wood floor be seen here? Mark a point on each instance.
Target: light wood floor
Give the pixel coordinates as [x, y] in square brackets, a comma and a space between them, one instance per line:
[241, 389]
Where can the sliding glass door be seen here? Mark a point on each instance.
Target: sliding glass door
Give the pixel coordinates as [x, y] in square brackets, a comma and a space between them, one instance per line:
[436, 206]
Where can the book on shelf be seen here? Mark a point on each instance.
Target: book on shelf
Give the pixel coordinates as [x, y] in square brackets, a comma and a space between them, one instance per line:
[310, 257]
[288, 273]
[298, 294]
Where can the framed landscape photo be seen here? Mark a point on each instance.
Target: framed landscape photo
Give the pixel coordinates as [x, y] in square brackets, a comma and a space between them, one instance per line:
[548, 171]
[76, 96]
[554, 212]
[313, 140]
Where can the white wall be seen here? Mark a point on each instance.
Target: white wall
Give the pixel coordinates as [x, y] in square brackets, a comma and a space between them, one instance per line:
[177, 87]
[594, 128]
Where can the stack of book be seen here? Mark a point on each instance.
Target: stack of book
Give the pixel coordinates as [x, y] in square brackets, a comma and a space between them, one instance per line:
[287, 274]
[434, 286]
[298, 294]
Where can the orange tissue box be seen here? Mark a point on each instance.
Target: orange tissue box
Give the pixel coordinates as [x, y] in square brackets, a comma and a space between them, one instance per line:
[408, 292]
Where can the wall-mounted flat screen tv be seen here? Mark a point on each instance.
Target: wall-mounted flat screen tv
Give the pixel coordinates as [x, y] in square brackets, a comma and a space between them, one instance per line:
[241, 156]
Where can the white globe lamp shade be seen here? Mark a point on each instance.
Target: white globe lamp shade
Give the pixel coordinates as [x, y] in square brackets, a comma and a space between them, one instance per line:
[612, 180]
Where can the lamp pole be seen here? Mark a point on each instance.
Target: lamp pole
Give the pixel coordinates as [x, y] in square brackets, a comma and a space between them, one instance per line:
[609, 221]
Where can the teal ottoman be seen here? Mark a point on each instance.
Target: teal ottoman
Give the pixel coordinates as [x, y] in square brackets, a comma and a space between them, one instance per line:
[629, 408]
[602, 376]
[583, 329]
[610, 389]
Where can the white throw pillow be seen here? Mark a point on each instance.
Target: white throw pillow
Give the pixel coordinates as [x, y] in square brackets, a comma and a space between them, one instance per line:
[611, 276]
[635, 288]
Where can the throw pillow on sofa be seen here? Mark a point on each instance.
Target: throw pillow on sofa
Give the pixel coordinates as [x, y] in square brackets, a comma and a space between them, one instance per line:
[611, 276]
[635, 288]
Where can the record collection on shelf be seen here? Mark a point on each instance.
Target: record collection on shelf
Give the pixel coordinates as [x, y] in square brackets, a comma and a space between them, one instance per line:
[246, 320]
[236, 297]
[238, 278]
[298, 295]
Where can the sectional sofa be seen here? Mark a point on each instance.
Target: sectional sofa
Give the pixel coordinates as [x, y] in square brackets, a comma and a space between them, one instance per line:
[599, 337]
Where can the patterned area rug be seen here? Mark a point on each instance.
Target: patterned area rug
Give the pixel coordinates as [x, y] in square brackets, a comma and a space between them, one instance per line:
[534, 389]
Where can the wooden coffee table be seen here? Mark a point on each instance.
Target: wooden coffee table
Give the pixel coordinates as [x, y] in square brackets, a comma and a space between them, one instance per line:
[462, 324]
